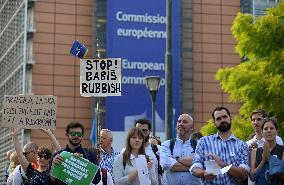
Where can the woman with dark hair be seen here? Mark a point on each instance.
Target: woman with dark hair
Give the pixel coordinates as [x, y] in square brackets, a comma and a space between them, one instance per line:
[35, 176]
[124, 168]
[260, 156]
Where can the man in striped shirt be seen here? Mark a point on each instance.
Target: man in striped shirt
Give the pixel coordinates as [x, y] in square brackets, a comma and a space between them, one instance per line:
[225, 149]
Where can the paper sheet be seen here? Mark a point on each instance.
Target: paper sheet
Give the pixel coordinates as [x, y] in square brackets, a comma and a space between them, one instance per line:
[143, 173]
[212, 167]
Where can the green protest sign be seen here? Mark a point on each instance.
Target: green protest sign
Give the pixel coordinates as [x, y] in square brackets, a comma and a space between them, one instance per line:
[74, 170]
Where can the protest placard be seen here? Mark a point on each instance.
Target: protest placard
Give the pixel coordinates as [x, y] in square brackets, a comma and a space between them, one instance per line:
[29, 111]
[100, 77]
[74, 170]
[143, 172]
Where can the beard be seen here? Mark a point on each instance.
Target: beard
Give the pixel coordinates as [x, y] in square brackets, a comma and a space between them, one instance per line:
[224, 126]
[75, 143]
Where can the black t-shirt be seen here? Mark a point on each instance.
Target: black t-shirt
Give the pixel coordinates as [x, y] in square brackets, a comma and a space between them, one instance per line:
[276, 151]
[37, 178]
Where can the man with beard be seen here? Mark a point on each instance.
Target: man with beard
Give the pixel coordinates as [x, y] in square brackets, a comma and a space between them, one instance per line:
[75, 132]
[225, 149]
[177, 154]
[145, 126]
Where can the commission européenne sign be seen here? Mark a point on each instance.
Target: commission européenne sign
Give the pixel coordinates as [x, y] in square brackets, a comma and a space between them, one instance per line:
[100, 77]
[29, 111]
[74, 170]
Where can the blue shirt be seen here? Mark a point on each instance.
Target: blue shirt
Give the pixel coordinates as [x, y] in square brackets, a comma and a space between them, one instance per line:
[181, 149]
[231, 151]
[107, 159]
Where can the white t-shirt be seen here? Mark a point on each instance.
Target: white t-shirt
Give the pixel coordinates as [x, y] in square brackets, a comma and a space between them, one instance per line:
[17, 176]
[260, 142]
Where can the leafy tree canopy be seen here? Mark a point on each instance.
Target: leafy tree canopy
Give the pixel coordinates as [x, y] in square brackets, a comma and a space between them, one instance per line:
[258, 82]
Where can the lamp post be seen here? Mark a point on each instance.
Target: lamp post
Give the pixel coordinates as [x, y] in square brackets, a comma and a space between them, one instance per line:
[153, 85]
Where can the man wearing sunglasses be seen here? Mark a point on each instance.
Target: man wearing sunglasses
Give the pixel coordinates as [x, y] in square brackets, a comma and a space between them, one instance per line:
[75, 132]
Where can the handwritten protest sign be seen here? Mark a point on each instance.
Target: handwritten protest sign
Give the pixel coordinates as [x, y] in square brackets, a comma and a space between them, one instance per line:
[100, 77]
[74, 170]
[29, 111]
[143, 172]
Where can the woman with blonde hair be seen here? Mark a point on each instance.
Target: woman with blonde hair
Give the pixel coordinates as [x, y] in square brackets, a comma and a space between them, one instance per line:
[125, 171]
[14, 162]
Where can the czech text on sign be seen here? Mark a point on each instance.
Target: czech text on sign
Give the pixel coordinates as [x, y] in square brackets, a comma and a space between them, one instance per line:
[100, 77]
[74, 170]
[29, 111]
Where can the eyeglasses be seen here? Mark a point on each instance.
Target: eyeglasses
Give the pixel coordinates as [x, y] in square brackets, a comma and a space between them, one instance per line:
[26, 153]
[145, 130]
[46, 157]
[73, 134]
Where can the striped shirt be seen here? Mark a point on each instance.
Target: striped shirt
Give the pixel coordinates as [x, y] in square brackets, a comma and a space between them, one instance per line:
[231, 151]
[107, 159]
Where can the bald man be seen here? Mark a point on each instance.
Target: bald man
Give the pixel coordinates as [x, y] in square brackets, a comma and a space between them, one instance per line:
[107, 152]
[176, 154]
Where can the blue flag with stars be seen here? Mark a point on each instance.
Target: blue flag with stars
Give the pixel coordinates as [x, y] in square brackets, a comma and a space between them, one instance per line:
[78, 49]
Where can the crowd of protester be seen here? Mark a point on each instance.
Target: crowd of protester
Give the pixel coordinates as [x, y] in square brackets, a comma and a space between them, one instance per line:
[183, 160]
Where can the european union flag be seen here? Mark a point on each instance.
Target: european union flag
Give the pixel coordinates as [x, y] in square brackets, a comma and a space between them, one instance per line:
[78, 49]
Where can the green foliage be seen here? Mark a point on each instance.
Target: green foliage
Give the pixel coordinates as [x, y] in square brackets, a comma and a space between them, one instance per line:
[241, 128]
[258, 82]
[208, 128]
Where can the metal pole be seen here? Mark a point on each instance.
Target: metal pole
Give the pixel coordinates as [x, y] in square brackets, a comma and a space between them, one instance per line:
[153, 113]
[169, 96]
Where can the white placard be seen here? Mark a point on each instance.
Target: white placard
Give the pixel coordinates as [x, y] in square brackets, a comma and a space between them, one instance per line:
[29, 111]
[212, 167]
[100, 77]
[143, 172]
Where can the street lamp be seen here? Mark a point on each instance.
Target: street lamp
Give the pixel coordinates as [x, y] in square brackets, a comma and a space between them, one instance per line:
[153, 85]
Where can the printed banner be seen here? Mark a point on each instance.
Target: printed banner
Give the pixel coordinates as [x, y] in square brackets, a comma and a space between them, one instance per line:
[29, 111]
[136, 33]
[74, 170]
[100, 77]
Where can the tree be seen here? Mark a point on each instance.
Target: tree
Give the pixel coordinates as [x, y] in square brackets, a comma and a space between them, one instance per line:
[258, 82]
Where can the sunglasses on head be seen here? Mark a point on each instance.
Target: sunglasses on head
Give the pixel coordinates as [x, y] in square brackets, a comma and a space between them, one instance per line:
[42, 156]
[73, 134]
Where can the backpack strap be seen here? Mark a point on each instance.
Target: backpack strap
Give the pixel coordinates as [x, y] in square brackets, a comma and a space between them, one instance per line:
[172, 144]
[193, 144]
[155, 151]
[104, 176]
[24, 178]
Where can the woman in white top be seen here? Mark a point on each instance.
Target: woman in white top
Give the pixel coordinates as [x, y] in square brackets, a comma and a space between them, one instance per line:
[124, 167]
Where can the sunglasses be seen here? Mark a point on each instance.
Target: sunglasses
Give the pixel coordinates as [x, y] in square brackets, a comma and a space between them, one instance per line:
[41, 156]
[73, 134]
[145, 130]
[26, 153]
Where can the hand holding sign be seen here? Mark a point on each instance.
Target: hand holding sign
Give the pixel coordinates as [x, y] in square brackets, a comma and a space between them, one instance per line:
[73, 170]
